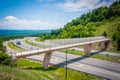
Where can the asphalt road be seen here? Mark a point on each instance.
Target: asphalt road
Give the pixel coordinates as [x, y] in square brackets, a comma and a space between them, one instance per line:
[92, 66]
[24, 45]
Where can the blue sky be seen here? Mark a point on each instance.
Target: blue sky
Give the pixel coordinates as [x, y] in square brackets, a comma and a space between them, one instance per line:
[44, 14]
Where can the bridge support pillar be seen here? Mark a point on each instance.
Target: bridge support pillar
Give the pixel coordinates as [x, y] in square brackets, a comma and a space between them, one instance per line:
[14, 60]
[46, 60]
[104, 45]
[87, 49]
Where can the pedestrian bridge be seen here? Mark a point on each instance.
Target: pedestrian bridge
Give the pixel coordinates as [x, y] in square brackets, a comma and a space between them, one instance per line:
[60, 44]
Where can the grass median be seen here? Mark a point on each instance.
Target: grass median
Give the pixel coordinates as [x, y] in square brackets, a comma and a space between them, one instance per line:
[114, 51]
[33, 44]
[12, 46]
[98, 56]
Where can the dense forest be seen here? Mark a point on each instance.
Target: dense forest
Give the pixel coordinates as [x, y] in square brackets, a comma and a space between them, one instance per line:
[102, 21]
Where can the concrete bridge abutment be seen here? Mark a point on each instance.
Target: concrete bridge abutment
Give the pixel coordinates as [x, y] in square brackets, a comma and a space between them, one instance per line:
[104, 45]
[14, 60]
[87, 49]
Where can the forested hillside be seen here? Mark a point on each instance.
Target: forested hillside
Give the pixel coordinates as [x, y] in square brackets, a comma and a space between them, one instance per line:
[103, 21]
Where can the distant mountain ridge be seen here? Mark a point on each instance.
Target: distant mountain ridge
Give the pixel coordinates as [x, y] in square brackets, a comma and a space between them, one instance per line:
[22, 32]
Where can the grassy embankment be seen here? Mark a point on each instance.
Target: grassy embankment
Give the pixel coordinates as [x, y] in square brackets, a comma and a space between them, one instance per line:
[12, 46]
[31, 70]
[114, 51]
[110, 27]
[102, 57]
[33, 44]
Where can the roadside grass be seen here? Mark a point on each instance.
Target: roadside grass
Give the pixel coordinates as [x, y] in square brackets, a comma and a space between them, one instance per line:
[31, 70]
[33, 44]
[98, 56]
[12, 46]
[110, 27]
[23, 62]
[74, 52]
[54, 73]
[10, 73]
[107, 58]
[114, 51]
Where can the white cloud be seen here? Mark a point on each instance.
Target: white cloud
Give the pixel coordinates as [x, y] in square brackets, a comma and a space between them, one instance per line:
[10, 18]
[11, 22]
[83, 5]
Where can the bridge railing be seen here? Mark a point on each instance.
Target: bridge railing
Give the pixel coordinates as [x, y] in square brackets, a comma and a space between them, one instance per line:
[61, 42]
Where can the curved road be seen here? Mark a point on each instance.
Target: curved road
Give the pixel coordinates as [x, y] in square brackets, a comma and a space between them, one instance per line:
[9, 50]
[24, 45]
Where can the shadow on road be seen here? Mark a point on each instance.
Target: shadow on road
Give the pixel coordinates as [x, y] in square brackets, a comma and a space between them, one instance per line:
[77, 59]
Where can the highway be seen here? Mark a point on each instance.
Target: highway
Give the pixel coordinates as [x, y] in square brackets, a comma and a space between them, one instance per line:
[24, 45]
[105, 69]
[92, 66]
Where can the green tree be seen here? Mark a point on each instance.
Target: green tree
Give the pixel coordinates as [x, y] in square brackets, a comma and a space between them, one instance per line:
[105, 34]
[5, 59]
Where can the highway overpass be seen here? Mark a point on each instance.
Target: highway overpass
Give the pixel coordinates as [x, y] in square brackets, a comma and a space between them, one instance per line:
[60, 44]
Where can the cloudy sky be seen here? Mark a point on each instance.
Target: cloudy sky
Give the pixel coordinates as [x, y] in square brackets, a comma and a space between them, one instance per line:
[44, 14]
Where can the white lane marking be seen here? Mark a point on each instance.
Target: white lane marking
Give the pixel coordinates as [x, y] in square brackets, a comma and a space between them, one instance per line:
[92, 68]
[80, 65]
[96, 69]
[55, 59]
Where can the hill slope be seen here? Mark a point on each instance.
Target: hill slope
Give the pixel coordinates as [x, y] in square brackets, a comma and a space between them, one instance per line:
[31, 70]
[103, 21]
